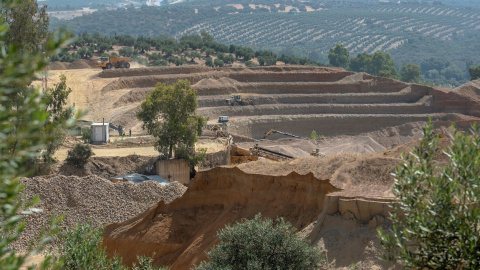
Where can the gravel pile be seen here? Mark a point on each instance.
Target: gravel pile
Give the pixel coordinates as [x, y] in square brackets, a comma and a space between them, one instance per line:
[89, 198]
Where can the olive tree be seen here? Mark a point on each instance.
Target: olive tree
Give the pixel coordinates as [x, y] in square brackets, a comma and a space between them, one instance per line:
[436, 216]
[261, 244]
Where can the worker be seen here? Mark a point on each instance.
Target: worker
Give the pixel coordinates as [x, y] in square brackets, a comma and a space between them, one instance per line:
[130, 132]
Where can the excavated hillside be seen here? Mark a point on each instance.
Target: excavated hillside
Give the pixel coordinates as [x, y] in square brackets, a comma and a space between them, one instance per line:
[181, 232]
[295, 99]
[339, 215]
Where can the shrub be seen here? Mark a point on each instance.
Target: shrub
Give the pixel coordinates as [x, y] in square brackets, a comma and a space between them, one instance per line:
[250, 64]
[82, 249]
[261, 244]
[436, 215]
[86, 135]
[79, 154]
[313, 135]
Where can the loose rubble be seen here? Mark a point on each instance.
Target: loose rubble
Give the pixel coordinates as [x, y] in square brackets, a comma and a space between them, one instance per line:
[89, 199]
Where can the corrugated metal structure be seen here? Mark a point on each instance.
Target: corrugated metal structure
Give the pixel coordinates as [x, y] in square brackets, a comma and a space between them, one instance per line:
[174, 170]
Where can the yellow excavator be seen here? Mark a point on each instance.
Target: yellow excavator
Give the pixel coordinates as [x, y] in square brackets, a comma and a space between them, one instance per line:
[237, 99]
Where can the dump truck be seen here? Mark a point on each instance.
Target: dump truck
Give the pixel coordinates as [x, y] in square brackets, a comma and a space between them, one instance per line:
[114, 61]
[237, 99]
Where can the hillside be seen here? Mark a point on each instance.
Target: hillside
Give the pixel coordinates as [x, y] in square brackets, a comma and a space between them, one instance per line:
[410, 32]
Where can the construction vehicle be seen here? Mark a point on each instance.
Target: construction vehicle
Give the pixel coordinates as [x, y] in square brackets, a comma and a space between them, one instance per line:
[269, 154]
[222, 119]
[271, 131]
[237, 99]
[114, 62]
[218, 131]
[316, 153]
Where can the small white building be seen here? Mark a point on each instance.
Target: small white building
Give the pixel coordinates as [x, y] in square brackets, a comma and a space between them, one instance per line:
[100, 132]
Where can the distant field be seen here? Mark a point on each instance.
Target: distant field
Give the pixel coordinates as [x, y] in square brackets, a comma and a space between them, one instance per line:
[410, 33]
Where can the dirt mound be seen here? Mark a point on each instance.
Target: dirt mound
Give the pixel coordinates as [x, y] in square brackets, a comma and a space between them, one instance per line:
[70, 141]
[181, 232]
[79, 64]
[470, 89]
[133, 96]
[112, 73]
[151, 81]
[57, 65]
[108, 167]
[89, 198]
[213, 83]
[356, 174]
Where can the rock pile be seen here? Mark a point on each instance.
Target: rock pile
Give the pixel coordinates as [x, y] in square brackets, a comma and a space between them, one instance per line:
[90, 198]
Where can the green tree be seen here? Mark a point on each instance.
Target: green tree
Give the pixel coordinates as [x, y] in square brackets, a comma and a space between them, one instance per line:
[313, 135]
[383, 65]
[339, 56]
[218, 63]
[126, 51]
[56, 99]
[168, 114]
[411, 73]
[436, 215]
[18, 69]
[79, 154]
[27, 24]
[261, 244]
[361, 62]
[209, 62]
[474, 73]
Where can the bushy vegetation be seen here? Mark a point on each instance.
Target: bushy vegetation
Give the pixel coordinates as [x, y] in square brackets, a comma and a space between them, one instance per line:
[24, 113]
[86, 135]
[436, 218]
[81, 248]
[79, 154]
[162, 50]
[261, 244]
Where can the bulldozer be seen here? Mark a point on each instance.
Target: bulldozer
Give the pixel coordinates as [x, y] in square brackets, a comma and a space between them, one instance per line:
[114, 62]
[237, 99]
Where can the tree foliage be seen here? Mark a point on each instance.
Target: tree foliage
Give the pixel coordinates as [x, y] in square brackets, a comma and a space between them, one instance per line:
[79, 154]
[28, 23]
[378, 64]
[411, 73]
[339, 56]
[168, 114]
[474, 73]
[20, 143]
[436, 215]
[261, 244]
